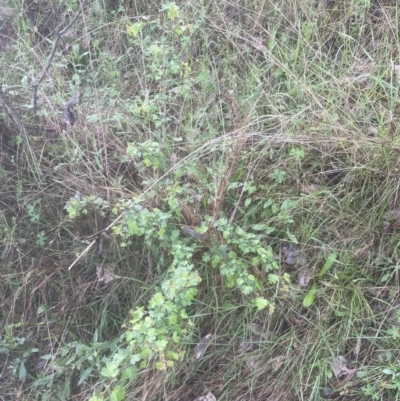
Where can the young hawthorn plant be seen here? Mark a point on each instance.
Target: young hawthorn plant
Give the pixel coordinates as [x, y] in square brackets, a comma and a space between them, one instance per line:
[154, 331]
[157, 330]
[161, 43]
[153, 334]
[239, 251]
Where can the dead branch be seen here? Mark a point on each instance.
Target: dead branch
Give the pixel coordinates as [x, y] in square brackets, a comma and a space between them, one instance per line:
[55, 44]
[10, 111]
[69, 117]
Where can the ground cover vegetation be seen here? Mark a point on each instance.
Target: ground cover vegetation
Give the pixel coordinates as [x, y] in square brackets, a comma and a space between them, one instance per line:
[217, 214]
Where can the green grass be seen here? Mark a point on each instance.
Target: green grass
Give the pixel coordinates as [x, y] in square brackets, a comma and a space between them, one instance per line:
[265, 124]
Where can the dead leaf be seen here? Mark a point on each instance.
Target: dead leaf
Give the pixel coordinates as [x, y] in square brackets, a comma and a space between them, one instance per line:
[256, 328]
[329, 393]
[372, 131]
[6, 35]
[247, 346]
[278, 362]
[309, 189]
[377, 292]
[396, 71]
[392, 218]
[41, 364]
[334, 172]
[393, 312]
[202, 346]
[69, 116]
[291, 253]
[343, 373]
[338, 365]
[253, 341]
[341, 370]
[305, 275]
[174, 159]
[252, 361]
[392, 215]
[208, 397]
[193, 233]
[104, 275]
